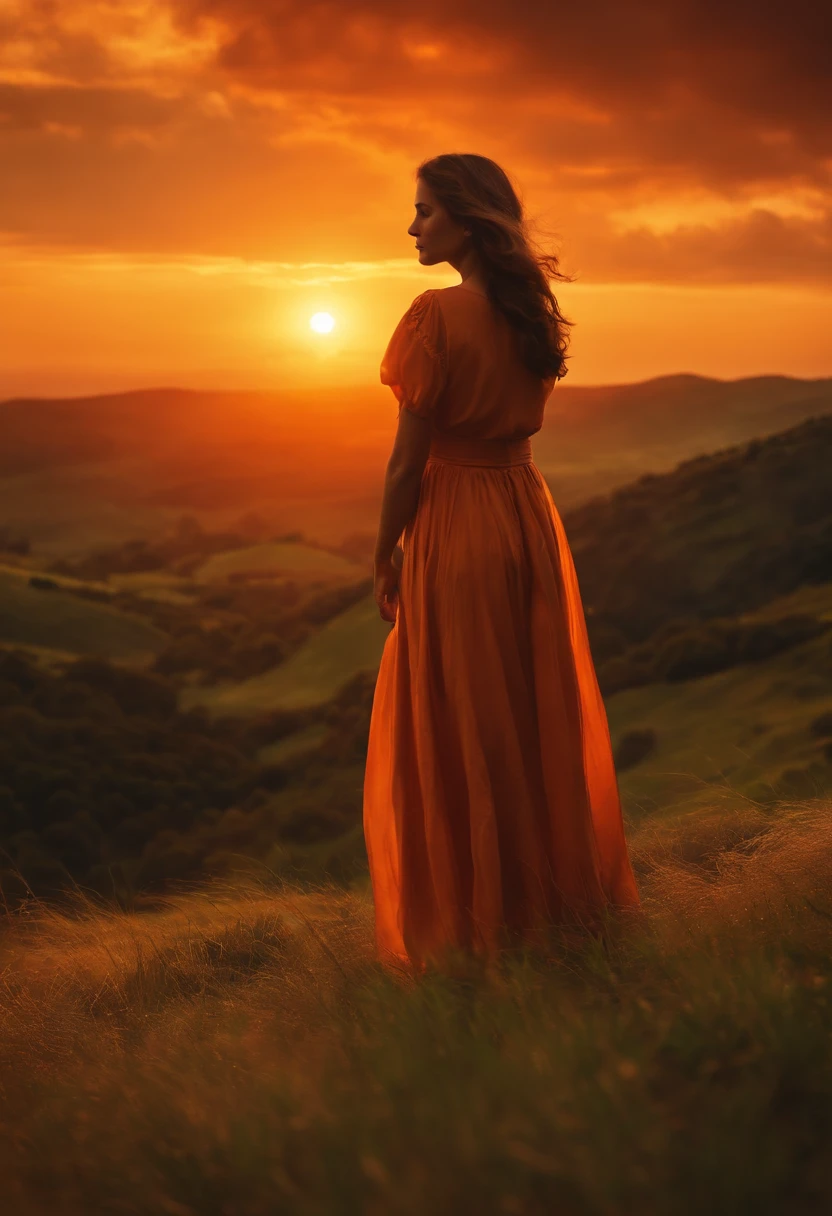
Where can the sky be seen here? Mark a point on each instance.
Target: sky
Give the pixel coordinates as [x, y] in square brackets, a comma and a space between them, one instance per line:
[184, 183]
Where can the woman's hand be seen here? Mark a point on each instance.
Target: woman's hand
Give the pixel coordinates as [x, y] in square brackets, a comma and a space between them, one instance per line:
[386, 585]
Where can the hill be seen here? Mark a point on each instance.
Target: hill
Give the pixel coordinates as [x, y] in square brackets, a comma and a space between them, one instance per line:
[721, 533]
[277, 559]
[595, 439]
[760, 729]
[238, 1049]
[42, 612]
[708, 592]
[347, 645]
[658, 559]
[123, 465]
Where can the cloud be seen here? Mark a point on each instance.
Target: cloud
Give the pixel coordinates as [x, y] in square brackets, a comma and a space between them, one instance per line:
[284, 129]
[694, 70]
[762, 247]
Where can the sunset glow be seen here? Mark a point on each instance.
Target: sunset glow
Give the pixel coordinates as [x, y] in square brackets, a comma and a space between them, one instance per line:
[322, 323]
[187, 184]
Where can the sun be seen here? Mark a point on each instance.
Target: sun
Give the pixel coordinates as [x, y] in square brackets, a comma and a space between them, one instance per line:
[322, 323]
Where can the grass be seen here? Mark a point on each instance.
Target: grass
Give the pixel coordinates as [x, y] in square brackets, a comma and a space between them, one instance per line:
[349, 643]
[152, 584]
[67, 511]
[308, 738]
[273, 558]
[239, 1050]
[27, 567]
[737, 731]
[813, 599]
[159, 585]
[60, 620]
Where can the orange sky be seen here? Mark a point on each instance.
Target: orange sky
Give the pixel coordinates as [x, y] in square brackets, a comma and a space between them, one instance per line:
[184, 183]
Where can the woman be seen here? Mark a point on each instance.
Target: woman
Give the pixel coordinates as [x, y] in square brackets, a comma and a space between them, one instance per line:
[491, 806]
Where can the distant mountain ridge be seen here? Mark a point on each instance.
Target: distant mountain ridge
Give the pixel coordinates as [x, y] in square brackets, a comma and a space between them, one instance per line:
[666, 410]
[708, 596]
[315, 459]
[721, 533]
[594, 439]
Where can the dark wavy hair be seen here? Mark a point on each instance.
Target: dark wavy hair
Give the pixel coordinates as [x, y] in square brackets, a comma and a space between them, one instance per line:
[476, 192]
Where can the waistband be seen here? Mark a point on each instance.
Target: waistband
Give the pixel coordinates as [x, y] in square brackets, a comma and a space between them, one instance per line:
[460, 449]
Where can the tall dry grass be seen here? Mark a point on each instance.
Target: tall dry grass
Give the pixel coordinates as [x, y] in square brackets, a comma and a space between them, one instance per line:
[240, 1052]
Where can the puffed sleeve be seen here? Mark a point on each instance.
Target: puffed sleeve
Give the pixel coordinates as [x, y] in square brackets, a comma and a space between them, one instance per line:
[415, 364]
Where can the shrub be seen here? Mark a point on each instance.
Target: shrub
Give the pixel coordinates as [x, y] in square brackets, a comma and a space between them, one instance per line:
[633, 747]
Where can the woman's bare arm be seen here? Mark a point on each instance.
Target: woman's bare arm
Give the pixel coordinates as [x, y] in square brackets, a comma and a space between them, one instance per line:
[402, 481]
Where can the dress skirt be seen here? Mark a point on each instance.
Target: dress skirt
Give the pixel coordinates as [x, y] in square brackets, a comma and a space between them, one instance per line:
[491, 806]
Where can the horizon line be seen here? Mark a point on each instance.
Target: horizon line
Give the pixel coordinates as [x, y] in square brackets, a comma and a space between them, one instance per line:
[327, 387]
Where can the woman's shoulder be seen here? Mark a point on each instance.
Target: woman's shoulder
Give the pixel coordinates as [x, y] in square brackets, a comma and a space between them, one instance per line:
[456, 294]
[440, 311]
[425, 310]
[424, 300]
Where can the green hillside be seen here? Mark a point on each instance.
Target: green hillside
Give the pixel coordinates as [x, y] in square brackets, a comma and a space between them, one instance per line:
[60, 620]
[66, 511]
[106, 469]
[748, 729]
[745, 729]
[596, 439]
[158, 585]
[248, 736]
[350, 643]
[718, 535]
[275, 558]
[25, 571]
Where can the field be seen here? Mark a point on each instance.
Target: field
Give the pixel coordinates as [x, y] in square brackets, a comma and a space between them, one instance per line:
[65, 511]
[745, 730]
[178, 701]
[159, 585]
[271, 560]
[300, 741]
[102, 470]
[350, 643]
[740, 729]
[192, 1018]
[59, 620]
[240, 1051]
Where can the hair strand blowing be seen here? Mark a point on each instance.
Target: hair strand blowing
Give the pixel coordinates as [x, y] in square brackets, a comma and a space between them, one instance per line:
[477, 193]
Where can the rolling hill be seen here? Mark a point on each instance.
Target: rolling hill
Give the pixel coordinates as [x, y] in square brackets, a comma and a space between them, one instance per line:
[717, 536]
[274, 559]
[55, 618]
[246, 732]
[351, 642]
[595, 439]
[756, 729]
[743, 534]
[102, 469]
[720, 536]
[721, 533]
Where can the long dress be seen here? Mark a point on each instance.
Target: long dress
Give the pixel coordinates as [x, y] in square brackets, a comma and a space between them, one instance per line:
[491, 806]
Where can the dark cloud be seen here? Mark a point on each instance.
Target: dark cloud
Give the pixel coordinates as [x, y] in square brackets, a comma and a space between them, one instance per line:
[294, 129]
[94, 111]
[701, 71]
[759, 248]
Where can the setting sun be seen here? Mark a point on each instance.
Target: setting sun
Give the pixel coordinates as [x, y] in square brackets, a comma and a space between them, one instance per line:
[322, 323]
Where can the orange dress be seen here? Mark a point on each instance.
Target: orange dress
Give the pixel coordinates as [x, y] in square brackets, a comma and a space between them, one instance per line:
[491, 805]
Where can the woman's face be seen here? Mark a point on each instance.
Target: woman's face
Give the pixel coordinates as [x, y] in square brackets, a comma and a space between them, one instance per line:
[438, 237]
